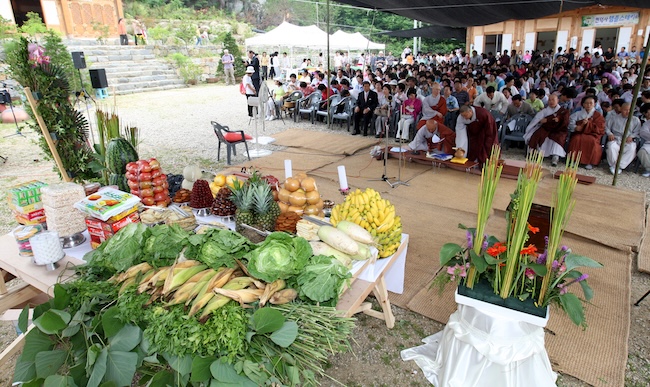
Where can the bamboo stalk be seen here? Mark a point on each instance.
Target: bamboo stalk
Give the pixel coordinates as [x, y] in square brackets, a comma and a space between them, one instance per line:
[47, 135]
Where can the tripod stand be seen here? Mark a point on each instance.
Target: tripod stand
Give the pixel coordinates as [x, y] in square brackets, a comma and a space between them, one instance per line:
[5, 98]
[399, 181]
[84, 94]
[384, 177]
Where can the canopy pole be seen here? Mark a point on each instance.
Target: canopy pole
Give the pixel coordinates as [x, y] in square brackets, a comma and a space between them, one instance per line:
[553, 59]
[635, 94]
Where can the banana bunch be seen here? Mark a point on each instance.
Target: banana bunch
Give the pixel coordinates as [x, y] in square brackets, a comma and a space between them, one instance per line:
[377, 215]
[200, 288]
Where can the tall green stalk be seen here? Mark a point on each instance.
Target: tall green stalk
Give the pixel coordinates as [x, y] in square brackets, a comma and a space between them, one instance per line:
[489, 179]
[563, 205]
[527, 183]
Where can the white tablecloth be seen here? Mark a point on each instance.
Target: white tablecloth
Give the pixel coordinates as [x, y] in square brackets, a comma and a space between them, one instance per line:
[478, 348]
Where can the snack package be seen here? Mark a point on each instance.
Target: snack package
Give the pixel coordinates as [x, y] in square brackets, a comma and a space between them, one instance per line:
[107, 203]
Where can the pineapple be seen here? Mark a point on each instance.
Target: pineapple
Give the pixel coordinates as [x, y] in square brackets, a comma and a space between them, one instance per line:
[242, 196]
[265, 217]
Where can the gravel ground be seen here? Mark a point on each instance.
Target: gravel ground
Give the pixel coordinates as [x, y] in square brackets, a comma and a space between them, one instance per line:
[175, 127]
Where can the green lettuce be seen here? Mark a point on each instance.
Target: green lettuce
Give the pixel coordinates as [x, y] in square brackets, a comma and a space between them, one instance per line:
[322, 279]
[280, 256]
[217, 248]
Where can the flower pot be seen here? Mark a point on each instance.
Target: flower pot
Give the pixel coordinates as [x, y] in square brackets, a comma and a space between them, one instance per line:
[192, 81]
[483, 293]
[212, 80]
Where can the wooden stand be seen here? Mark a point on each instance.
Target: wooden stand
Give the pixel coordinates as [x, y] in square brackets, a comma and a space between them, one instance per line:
[353, 301]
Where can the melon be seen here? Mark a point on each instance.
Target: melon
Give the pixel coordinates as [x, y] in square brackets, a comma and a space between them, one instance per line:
[119, 152]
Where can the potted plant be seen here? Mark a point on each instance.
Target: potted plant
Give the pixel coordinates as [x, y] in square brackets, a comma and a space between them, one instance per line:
[505, 287]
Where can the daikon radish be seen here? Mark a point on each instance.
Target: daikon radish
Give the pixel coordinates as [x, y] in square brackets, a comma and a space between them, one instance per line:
[363, 254]
[338, 239]
[355, 232]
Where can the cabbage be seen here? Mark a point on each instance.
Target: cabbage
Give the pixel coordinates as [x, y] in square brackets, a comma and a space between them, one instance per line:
[280, 256]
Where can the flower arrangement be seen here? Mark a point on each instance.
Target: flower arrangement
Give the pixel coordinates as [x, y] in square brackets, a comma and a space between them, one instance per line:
[512, 268]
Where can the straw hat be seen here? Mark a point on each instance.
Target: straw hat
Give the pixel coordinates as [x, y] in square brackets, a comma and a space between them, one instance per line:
[250, 70]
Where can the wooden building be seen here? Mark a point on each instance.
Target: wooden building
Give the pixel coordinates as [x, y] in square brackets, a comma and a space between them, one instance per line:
[73, 18]
[611, 26]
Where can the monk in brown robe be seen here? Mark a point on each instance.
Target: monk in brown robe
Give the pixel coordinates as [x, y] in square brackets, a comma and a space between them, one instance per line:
[547, 132]
[587, 128]
[476, 132]
[447, 136]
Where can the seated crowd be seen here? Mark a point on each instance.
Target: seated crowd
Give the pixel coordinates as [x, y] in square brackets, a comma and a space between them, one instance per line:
[460, 103]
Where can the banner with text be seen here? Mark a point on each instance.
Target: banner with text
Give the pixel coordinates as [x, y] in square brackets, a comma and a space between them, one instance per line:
[610, 19]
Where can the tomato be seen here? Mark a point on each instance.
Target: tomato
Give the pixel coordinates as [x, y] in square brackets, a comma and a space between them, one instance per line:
[145, 176]
[143, 166]
[133, 184]
[132, 167]
[158, 188]
[146, 192]
[165, 184]
[148, 201]
[135, 192]
[155, 173]
[158, 181]
[166, 191]
[160, 196]
[129, 176]
[145, 184]
[155, 164]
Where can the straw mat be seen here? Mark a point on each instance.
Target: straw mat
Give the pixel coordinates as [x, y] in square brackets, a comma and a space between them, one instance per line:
[303, 160]
[644, 251]
[322, 142]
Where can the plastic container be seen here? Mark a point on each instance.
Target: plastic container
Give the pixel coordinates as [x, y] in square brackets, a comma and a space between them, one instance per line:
[22, 235]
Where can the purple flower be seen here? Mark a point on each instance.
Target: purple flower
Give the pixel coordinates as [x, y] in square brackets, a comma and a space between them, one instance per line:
[563, 288]
[485, 243]
[546, 241]
[469, 240]
[556, 264]
[530, 273]
[582, 277]
[541, 259]
[565, 248]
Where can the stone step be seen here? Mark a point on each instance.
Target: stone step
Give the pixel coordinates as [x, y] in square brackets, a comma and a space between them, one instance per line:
[141, 78]
[118, 57]
[138, 72]
[147, 84]
[154, 88]
[127, 68]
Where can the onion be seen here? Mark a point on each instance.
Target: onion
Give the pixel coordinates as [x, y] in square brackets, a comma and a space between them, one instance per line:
[297, 210]
[311, 210]
[283, 207]
[300, 176]
[283, 195]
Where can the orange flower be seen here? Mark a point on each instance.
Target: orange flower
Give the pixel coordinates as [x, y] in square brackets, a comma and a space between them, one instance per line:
[496, 249]
[530, 250]
[532, 229]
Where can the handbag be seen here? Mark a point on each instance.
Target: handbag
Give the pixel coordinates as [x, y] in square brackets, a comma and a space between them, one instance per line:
[242, 88]
[381, 112]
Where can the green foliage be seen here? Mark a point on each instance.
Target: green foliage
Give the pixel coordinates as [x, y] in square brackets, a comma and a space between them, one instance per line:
[187, 33]
[50, 82]
[103, 32]
[188, 69]
[6, 27]
[33, 25]
[159, 33]
[60, 56]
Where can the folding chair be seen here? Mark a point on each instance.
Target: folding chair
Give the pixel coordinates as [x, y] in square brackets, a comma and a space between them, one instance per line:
[345, 115]
[230, 138]
[521, 122]
[307, 105]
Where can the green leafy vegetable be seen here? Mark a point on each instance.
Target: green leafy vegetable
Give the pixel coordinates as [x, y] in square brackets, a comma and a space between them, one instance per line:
[122, 251]
[280, 256]
[164, 244]
[322, 279]
[217, 248]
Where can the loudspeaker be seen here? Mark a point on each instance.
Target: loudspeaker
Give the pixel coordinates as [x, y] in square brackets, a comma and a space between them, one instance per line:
[79, 60]
[98, 79]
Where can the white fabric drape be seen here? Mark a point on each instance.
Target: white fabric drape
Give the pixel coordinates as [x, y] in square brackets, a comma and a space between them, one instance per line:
[478, 348]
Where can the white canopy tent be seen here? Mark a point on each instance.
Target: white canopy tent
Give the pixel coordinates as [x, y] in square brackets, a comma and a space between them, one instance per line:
[290, 35]
[341, 40]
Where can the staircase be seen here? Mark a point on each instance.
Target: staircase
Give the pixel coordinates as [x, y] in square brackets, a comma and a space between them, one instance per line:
[130, 69]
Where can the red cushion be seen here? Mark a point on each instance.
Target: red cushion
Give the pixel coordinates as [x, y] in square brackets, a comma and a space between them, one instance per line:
[234, 137]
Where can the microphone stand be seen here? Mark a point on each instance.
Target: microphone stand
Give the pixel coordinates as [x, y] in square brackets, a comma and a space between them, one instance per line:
[384, 177]
[399, 162]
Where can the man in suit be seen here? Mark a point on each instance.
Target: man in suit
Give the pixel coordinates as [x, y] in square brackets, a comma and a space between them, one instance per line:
[253, 61]
[367, 101]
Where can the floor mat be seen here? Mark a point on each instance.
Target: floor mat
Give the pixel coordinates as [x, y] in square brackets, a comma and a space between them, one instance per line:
[323, 142]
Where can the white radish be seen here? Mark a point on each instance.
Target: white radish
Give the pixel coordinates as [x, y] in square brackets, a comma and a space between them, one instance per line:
[355, 232]
[364, 253]
[321, 248]
[338, 239]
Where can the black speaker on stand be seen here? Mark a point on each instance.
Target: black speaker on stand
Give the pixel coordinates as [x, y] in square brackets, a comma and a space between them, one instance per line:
[79, 60]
